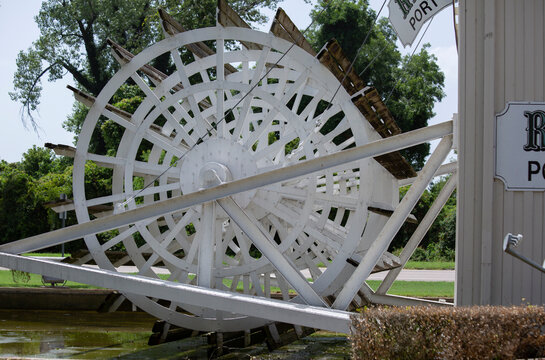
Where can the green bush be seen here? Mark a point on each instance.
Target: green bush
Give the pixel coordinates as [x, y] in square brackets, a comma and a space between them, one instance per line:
[479, 332]
[443, 229]
[420, 254]
[438, 251]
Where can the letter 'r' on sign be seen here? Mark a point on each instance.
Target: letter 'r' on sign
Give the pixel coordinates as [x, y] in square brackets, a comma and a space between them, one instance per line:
[520, 146]
[408, 16]
[535, 130]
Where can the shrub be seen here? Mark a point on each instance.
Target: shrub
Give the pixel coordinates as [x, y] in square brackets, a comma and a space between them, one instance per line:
[480, 332]
[437, 251]
[419, 254]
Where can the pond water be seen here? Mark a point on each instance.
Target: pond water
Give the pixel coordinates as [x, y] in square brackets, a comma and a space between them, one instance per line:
[124, 335]
[65, 334]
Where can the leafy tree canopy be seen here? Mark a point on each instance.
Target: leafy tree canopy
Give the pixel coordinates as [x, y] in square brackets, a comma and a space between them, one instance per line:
[41, 177]
[74, 33]
[20, 213]
[439, 242]
[38, 162]
[417, 81]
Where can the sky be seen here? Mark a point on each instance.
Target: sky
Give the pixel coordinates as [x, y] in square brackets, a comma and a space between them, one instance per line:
[18, 30]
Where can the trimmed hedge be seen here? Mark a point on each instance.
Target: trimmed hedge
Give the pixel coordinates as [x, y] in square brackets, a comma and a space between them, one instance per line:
[479, 332]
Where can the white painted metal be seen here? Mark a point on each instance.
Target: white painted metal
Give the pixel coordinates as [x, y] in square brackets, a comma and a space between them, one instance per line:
[264, 243]
[510, 242]
[276, 175]
[394, 300]
[270, 309]
[293, 175]
[206, 237]
[444, 169]
[419, 233]
[397, 219]
[277, 123]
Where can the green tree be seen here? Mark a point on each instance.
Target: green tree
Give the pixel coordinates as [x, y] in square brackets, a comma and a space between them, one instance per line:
[73, 36]
[25, 187]
[38, 161]
[20, 212]
[443, 230]
[74, 33]
[439, 242]
[418, 80]
[23, 194]
[420, 85]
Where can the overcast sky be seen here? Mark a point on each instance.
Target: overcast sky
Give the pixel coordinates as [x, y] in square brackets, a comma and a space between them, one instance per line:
[18, 31]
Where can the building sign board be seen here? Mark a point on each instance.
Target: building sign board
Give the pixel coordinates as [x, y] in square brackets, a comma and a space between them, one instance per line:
[520, 146]
[408, 16]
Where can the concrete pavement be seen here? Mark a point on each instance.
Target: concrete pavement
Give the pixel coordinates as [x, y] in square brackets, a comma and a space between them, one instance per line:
[405, 275]
[419, 275]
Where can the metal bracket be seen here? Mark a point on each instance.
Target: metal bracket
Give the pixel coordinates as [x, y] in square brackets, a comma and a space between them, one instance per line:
[511, 241]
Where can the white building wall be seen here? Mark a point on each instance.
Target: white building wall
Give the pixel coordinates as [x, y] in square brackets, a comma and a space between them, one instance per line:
[501, 59]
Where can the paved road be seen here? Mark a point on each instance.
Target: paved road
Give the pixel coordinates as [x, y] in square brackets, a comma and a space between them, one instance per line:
[419, 275]
[406, 275]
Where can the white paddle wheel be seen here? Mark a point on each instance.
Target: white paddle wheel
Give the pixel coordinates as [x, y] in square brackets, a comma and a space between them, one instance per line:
[243, 115]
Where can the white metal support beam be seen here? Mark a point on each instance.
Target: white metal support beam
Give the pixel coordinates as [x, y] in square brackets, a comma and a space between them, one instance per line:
[444, 169]
[303, 168]
[274, 310]
[265, 245]
[395, 300]
[206, 240]
[383, 240]
[419, 233]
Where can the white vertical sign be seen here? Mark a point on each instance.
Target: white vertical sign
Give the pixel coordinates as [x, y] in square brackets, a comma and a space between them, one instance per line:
[408, 16]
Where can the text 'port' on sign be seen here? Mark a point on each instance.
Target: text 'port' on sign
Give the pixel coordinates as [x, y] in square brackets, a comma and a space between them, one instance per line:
[408, 16]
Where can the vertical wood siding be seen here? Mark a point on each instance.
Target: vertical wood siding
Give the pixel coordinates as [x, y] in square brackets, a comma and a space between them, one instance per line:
[501, 59]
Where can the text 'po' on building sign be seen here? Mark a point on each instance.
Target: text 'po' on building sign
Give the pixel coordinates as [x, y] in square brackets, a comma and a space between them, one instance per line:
[520, 146]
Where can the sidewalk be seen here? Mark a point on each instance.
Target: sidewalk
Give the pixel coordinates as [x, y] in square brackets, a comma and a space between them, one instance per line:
[419, 275]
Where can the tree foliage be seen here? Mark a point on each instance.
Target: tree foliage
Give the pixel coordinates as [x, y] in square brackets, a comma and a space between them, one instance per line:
[20, 214]
[74, 33]
[417, 82]
[41, 177]
[37, 162]
[439, 242]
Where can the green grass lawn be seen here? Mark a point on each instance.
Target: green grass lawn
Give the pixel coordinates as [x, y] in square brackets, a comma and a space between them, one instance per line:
[46, 254]
[430, 265]
[404, 288]
[7, 280]
[443, 289]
